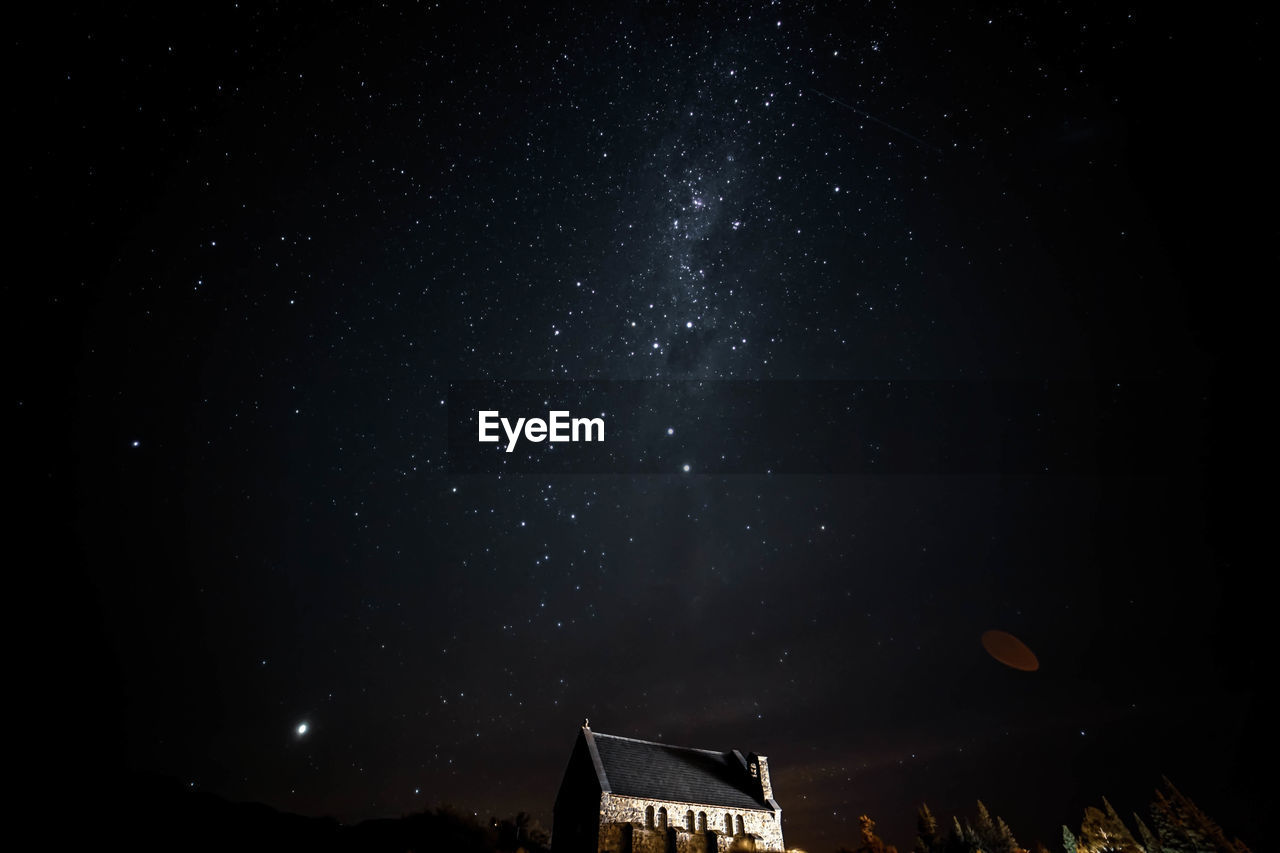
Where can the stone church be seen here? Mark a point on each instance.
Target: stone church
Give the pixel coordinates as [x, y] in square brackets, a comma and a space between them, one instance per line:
[622, 795]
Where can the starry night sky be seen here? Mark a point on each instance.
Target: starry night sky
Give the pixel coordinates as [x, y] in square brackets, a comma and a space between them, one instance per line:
[263, 243]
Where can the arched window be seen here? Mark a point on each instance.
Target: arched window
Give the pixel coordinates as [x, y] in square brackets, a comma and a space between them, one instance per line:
[688, 820]
[702, 821]
[728, 824]
[648, 817]
[741, 831]
[662, 817]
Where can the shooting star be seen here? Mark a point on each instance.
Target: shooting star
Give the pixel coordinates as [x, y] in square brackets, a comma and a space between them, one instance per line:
[866, 114]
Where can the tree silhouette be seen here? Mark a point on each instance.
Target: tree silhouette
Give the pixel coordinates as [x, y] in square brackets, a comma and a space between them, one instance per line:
[1181, 827]
[519, 833]
[926, 830]
[1177, 826]
[1104, 832]
[872, 843]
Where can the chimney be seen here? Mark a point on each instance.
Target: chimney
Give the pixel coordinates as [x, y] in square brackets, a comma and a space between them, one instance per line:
[759, 766]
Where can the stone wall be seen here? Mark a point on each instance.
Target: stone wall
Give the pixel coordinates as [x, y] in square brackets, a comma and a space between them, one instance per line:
[624, 828]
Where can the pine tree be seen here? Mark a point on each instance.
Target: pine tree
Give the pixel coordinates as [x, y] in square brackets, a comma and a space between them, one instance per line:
[1104, 832]
[1005, 842]
[985, 829]
[1069, 840]
[1168, 826]
[992, 836]
[1149, 842]
[926, 830]
[872, 843]
[1183, 828]
[960, 840]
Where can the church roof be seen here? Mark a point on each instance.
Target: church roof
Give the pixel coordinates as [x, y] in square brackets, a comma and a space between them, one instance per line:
[659, 771]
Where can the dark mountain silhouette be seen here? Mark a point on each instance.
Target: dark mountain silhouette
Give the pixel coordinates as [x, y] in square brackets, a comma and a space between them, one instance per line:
[152, 813]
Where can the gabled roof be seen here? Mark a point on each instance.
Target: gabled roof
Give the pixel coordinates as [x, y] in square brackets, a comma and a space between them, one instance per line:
[659, 771]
